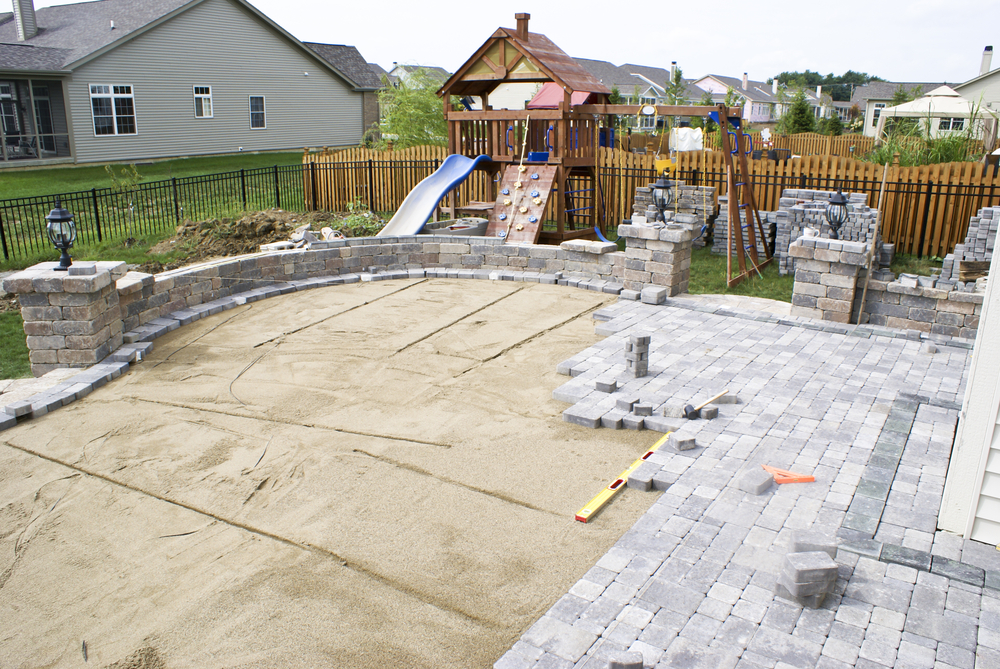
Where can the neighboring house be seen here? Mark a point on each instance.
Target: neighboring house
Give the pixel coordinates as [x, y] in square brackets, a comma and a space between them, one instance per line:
[402, 72]
[637, 84]
[875, 96]
[126, 80]
[984, 89]
[762, 102]
[348, 61]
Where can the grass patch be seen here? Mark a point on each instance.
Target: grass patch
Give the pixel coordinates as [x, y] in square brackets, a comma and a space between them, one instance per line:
[708, 276]
[14, 362]
[904, 263]
[136, 254]
[25, 182]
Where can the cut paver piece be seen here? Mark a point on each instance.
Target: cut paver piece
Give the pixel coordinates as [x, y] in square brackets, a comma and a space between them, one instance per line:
[708, 413]
[811, 541]
[682, 443]
[811, 566]
[756, 481]
[606, 384]
[642, 409]
[625, 659]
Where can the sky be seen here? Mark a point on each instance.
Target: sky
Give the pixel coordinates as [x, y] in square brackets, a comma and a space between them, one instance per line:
[915, 41]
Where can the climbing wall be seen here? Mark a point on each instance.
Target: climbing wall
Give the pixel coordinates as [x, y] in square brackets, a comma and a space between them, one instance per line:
[520, 207]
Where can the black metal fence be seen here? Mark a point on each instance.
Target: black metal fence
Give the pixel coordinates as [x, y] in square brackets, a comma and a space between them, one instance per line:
[920, 218]
[104, 214]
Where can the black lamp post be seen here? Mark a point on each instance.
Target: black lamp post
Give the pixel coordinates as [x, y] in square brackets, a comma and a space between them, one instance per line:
[836, 213]
[662, 196]
[62, 233]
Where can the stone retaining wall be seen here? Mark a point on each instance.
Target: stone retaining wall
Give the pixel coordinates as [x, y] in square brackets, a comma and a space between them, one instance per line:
[829, 282]
[77, 321]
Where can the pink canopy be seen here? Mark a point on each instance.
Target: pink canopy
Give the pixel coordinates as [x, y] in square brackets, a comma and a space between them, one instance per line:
[551, 94]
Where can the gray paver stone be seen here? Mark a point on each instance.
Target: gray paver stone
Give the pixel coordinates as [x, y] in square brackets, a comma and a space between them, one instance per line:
[624, 659]
[809, 567]
[906, 556]
[682, 443]
[756, 481]
[811, 540]
[708, 413]
[958, 571]
[824, 586]
[18, 409]
[559, 638]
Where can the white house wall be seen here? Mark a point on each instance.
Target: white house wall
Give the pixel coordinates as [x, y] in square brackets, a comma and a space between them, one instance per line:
[215, 44]
[986, 91]
[971, 503]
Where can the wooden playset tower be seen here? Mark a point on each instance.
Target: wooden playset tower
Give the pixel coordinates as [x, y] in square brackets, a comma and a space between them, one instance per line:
[543, 159]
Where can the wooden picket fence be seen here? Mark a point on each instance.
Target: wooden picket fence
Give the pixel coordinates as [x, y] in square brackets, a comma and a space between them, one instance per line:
[926, 210]
[802, 144]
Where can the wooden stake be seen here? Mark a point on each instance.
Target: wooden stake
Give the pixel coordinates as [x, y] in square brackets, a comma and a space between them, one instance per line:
[871, 251]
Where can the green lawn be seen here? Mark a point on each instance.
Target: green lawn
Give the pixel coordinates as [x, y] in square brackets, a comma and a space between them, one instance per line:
[28, 182]
[708, 276]
[13, 351]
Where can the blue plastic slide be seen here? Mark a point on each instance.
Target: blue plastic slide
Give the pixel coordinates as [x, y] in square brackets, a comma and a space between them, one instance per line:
[420, 202]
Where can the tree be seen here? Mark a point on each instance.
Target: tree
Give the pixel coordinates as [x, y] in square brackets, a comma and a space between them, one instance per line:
[675, 90]
[615, 99]
[411, 112]
[833, 125]
[799, 117]
[840, 88]
[704, 122]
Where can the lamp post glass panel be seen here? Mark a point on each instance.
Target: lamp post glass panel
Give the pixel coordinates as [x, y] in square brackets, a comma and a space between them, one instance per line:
[62, 233]
[836, 213]
[662, 196]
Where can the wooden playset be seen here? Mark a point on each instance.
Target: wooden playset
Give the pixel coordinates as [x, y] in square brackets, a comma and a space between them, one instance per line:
[543, 161]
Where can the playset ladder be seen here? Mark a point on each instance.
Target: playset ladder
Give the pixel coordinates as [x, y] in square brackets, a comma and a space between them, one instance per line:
[741, 199]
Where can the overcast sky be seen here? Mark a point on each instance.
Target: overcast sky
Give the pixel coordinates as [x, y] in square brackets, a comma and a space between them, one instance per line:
[918, 40]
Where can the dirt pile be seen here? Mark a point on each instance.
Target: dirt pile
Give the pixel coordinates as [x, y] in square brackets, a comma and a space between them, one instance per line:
[197, 241]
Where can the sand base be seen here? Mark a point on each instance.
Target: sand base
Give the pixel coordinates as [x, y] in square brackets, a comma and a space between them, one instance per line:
[370, 475]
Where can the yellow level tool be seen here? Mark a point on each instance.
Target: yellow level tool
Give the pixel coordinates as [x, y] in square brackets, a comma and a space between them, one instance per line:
[605, 496]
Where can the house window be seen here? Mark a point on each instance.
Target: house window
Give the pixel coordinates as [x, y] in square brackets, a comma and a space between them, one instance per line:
[203, 102]
[879, 106]
[951, 124]
[257, 120]
[113, 108]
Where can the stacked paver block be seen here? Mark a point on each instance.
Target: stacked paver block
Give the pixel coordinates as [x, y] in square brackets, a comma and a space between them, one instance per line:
[693, 205]
[979, 242]
[799, 209]
[637, 357]
[71, 319]
[720, 236]
[658, 256]
[826, 277]
[807, 578]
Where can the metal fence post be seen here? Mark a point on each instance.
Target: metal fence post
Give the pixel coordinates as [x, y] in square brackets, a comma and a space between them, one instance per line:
[371, 185]
[3, 241]
[97, 214]
[315, 197]
[243, 187]
[921, 241]
[277, 189]
[177, 202]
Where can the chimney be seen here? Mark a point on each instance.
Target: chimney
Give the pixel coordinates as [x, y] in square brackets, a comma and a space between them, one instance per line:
[522, 26]
[673, 69]
[774, 86]
[987, 60]
[24, 18]
[746, 83]
[819, 92]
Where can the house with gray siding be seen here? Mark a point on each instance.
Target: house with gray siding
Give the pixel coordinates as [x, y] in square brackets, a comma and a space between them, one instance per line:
[127, 80]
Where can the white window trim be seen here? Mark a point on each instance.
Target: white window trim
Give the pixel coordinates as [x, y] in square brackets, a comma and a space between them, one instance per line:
[211, 101]
[114, 116]
[251, 112]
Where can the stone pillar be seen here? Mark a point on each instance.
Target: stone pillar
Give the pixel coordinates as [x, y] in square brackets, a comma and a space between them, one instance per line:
[658, 256]
[71, 319]
[826, 277]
